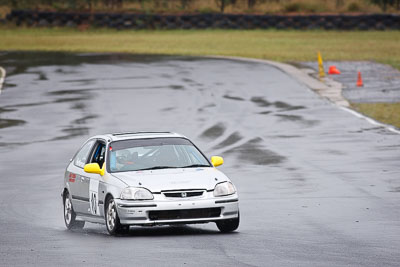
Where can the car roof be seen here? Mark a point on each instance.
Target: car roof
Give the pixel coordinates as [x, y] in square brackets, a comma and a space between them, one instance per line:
[111, 137]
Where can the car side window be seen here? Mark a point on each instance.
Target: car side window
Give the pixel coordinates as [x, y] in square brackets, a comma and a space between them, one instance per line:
[82, 157]
[99, 154]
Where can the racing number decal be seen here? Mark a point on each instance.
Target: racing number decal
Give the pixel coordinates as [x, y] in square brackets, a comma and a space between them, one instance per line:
[94, 196]
[93, 203]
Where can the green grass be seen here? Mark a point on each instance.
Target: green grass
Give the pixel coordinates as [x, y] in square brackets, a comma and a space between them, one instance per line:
[267, 44]
[388, 113]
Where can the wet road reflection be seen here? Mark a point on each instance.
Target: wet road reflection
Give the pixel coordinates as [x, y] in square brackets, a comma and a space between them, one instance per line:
[317, 186]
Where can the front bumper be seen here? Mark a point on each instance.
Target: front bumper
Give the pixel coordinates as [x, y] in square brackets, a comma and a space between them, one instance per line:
[177, 211]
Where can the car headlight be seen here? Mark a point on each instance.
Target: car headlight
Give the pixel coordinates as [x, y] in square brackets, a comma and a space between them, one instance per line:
[224, 189]
[136, 193]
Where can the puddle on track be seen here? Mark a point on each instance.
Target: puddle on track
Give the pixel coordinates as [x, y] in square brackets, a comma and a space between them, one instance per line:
[237, 98]
[279, 105]
[232, 139]
[214, 132]
[297, 118]
[252, 152]
[5, 123]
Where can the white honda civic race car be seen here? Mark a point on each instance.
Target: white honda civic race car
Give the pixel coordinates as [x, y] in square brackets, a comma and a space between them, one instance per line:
[145, 179]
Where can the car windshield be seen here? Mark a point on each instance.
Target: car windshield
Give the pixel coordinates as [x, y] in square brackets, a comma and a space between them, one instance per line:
[155, 153]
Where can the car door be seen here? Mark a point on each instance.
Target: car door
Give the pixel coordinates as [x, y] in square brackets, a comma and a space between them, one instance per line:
[93, 179]
[78, 180]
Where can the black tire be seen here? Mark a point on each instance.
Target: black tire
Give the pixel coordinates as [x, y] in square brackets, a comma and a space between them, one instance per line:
[230, 225]
[113, 223]
[70, 215]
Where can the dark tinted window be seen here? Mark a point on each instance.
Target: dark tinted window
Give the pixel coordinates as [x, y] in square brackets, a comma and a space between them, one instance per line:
[99, 154]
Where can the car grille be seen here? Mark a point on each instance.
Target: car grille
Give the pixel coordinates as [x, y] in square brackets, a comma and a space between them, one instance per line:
[183, 194]
[184, 214]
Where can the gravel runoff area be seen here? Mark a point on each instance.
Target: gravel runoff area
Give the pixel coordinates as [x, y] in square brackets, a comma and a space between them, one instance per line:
[381, 82]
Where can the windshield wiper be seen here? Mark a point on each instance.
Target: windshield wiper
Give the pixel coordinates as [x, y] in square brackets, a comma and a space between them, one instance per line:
[172, 167]
[157, 168]
[195, 165]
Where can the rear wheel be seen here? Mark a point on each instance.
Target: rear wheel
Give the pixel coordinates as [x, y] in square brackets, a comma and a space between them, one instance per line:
[230, 225]
[70, 215]
[113, 223]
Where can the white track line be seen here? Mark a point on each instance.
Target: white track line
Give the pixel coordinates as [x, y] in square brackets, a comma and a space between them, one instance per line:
[2, 77]
[372, 121]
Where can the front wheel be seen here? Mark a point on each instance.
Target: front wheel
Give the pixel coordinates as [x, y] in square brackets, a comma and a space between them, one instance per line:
[230, 225]
[113, 223]
[70, 215]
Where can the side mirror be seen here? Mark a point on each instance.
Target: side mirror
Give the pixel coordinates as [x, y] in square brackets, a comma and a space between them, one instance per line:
[94, 168]
[217, 161]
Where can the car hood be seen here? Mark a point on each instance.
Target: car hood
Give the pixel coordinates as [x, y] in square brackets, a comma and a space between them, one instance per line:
[173, 179]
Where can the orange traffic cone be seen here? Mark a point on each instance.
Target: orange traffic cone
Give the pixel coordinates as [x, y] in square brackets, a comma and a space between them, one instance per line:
[333, 70]
[359, 80]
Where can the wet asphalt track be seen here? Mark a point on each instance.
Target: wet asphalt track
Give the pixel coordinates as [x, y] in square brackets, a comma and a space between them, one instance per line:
[318, 186]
